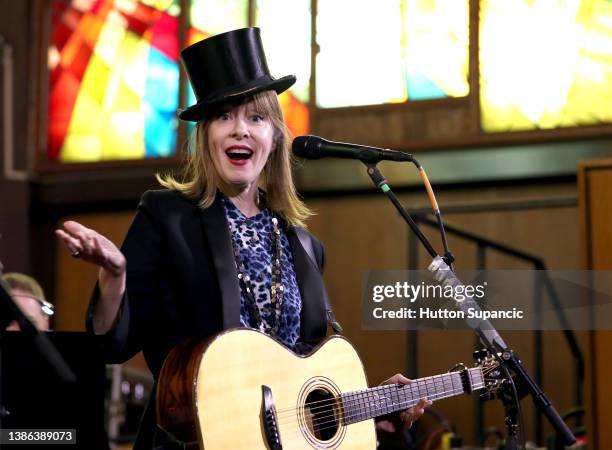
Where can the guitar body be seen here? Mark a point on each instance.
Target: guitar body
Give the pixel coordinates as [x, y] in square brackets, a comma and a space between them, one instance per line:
[212, 392]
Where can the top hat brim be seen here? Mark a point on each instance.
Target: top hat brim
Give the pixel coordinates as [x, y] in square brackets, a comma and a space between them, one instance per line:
[205, 106]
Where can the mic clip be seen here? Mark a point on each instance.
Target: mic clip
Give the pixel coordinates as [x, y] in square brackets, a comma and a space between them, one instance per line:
[448, 258]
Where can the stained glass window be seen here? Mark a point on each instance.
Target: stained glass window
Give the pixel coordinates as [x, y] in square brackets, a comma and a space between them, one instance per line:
[210, 17]
[436, 55]
[285, 31]
[218, 16]
[545, 64]
[114, 76]
[114, 67]
[391, 51]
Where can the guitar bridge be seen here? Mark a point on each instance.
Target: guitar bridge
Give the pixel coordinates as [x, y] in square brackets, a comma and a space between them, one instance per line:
[270, 423]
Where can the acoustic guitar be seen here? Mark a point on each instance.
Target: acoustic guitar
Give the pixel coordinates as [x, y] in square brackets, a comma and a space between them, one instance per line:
[242, 390]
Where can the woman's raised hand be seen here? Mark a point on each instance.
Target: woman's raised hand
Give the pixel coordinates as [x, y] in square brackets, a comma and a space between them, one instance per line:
[89, 245]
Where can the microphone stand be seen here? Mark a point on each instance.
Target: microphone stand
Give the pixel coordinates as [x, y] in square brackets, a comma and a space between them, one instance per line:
[442, 272]
[381, 183]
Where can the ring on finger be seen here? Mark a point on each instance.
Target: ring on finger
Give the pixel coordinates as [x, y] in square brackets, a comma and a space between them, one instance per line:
[75, 254]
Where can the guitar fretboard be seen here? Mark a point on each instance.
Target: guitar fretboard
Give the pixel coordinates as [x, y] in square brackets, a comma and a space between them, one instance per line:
[381, 400]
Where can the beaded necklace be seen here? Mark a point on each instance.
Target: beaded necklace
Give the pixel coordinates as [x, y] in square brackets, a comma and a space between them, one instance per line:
[276, 288]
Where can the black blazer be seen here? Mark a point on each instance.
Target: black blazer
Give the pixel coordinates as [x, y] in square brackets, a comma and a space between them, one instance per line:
[182, 279]
[182, 282]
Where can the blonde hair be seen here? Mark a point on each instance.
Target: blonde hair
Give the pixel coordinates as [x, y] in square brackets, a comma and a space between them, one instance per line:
[200, 179]
[24, 283]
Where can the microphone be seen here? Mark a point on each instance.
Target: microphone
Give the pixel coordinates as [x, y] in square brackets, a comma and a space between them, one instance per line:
[314, 147]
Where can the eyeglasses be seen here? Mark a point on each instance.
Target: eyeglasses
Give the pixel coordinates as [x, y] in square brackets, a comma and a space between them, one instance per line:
[45, 306]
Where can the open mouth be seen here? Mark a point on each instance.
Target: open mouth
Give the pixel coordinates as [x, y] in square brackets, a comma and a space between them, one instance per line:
[238, 154]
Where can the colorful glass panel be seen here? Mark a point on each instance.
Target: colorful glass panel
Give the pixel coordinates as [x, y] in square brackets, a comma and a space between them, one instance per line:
[210, 17]
[436, 48]
[286, 33]
[218, 16]
[113, 80]
[545, 64]
[413, 50]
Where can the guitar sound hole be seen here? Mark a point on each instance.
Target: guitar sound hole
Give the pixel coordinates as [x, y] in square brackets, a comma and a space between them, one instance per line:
[322, 414]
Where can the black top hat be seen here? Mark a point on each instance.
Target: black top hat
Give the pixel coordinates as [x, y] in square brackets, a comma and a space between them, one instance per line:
[227, 67]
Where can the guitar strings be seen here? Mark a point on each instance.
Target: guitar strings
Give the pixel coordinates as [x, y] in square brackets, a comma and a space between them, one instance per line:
[328, 402]
[322, 422]
[323, 425]
[353, 393]
[412, 386]
[408, 403]
[419, 396]
[351, 396]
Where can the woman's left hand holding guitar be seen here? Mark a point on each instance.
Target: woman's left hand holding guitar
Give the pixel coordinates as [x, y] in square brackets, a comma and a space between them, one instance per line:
[408, 416]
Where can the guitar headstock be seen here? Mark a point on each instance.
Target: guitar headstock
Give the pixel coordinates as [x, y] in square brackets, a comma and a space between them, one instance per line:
[493, 376]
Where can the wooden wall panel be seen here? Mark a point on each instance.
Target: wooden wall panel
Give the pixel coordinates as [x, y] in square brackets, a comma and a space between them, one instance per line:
[431, 123]
[595, 181]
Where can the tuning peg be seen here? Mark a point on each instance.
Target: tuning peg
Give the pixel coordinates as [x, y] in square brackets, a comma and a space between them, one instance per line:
[458, 367]
[481, 354]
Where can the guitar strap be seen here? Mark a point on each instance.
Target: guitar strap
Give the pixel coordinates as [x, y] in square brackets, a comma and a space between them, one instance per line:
[306, 241]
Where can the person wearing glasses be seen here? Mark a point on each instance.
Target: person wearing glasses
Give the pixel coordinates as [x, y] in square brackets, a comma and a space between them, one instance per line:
[30, 297]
